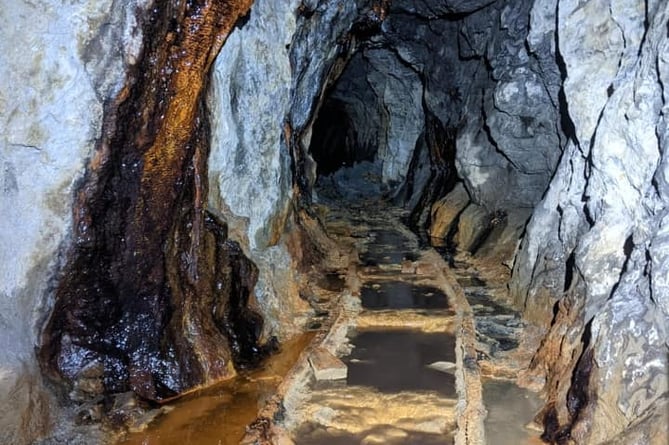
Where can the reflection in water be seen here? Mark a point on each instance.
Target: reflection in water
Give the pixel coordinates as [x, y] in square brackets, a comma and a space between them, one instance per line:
[388, 247]
[218, 415]
[510, 408]
[394, 361]
[315, 435]
[401, 295]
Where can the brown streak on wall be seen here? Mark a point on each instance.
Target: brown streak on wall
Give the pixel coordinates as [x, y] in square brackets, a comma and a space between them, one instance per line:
[143, 302]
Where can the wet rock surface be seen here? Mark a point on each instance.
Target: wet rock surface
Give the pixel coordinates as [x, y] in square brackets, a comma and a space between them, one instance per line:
[403, 359]
[395, 390]
[498, 326]
[60, 63]
[154, 297]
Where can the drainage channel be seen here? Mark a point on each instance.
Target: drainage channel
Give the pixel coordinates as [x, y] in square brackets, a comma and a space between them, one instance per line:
[399, 361]
[218, 415]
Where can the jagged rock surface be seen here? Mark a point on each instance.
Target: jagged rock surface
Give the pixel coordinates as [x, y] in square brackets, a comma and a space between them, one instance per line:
[600, 229]
[59, 62]
[153, 295]
[258, 111]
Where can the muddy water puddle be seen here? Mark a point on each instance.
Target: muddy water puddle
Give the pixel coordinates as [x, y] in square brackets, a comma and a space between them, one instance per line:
[388, 247]
[510, 408]
[400, 389]
[401, 295]
[218, 415]
[402, 360]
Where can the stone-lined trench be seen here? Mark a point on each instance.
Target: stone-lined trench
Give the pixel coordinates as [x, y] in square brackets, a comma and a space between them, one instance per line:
[182, 192]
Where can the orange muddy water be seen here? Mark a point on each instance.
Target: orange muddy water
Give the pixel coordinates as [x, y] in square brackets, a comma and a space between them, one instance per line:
[218, 415]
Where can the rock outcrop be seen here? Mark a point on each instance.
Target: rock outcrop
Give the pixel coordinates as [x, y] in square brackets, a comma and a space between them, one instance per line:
[60, 63]
[266, 87]
[597, 242]
[153, 295]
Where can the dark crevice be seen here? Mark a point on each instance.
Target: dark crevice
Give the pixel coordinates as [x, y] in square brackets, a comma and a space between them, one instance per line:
[628, 247]
[578, 396]
[569, 271]
[566, 124]
[440, 143]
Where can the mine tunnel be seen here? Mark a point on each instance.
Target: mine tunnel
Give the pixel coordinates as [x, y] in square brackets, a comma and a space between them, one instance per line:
[325, 222]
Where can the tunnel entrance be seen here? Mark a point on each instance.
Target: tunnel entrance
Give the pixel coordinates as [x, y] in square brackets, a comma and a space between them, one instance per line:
[368, 127]
[334, 143]
[376, 137]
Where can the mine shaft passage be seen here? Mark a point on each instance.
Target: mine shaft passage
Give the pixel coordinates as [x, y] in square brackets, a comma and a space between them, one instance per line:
[320, 221]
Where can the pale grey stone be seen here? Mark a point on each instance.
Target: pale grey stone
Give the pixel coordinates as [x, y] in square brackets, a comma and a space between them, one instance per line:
[606, 206]
[326, 366]
[59, 62]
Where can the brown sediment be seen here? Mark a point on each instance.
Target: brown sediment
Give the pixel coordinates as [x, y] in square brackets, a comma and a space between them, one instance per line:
[564, 357]
[153, 292]
[220, 413]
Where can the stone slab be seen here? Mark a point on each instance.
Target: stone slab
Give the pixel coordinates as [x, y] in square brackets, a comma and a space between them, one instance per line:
[326, 366]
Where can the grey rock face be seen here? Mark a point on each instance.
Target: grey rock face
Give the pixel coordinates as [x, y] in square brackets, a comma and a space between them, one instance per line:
[268, 78]
[510, 143]
[59, 63]
[606, 208]
[249, 168]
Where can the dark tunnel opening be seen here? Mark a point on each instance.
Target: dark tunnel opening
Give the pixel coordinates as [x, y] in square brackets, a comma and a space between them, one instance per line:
[333, 144]
[419, 118]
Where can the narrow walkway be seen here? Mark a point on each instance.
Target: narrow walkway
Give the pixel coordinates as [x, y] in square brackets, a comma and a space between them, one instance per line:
[414, 341]
[401, 384]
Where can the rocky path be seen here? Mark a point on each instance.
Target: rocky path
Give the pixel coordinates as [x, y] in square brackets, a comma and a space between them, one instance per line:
[413, 336]
[400, 385]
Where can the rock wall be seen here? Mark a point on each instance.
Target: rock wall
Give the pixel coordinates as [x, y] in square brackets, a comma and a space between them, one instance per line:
[491, 80]
[593, 262]
[59, 62]
[267, 83]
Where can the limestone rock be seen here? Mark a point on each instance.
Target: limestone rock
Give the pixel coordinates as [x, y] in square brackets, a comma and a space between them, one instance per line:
[59, 63]
[446, 210]
[327, 366]
[254, 106]
[599, 227]
[472, 225]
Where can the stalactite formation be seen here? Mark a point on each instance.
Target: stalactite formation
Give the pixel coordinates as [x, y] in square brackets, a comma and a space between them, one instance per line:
[154, 298]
